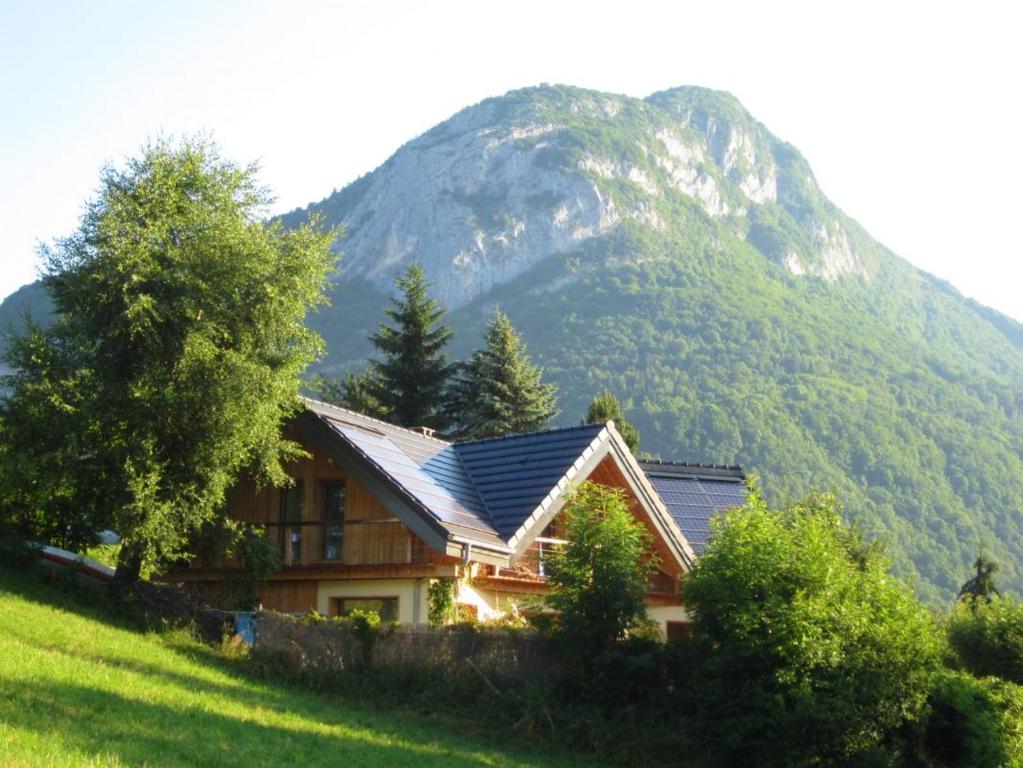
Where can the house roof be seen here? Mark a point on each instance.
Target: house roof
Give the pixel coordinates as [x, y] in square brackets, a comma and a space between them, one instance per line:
[514, 474]
[425, 472]
[694, 493]
[493, 495]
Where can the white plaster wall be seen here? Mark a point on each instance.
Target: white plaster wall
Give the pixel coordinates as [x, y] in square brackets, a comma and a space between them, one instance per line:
[404, 589]
[488, 604]
[662, 614]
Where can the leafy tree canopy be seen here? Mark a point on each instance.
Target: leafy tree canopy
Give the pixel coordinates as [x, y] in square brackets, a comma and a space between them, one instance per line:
[986, 637]
[498, 391]
[411, 381]
[605, 407]
[810, 653]
[177, 351]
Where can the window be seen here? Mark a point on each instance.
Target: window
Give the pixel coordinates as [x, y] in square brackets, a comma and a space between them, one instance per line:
[333, 520]
[385, 607]
[291, 518]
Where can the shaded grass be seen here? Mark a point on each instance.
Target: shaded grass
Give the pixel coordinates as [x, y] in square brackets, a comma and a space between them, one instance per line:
[76, 690]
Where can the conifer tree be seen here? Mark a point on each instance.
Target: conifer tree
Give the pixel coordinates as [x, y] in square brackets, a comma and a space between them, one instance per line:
[411, 380]
[605, 407]
[499, 392]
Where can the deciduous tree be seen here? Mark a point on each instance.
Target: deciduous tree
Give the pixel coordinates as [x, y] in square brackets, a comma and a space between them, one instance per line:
[599, 578]
[808, 651]
[177, 351]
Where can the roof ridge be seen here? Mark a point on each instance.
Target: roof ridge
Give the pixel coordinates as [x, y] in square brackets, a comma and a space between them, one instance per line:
[552, 430]
[416, 433]
[691, 464]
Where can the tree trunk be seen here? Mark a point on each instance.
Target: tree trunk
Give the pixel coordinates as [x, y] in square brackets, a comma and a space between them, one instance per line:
[129, 565]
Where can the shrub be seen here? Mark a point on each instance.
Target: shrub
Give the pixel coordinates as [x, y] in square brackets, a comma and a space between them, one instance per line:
[986, 638]
[441, 601]
[599, 579]
[973, 722]
[804, 649]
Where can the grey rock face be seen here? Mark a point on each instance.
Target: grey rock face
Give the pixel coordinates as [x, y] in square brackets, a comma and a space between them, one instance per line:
[507, 183]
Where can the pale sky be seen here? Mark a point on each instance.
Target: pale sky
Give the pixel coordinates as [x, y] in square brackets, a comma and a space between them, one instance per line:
[909, 113]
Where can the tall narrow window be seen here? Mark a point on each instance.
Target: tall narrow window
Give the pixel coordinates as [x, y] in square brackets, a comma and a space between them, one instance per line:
[333, 520]
[291, 516]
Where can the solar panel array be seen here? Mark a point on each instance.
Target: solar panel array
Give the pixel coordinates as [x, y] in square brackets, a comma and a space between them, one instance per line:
[692, 501]
[426, 469]
[513, 474]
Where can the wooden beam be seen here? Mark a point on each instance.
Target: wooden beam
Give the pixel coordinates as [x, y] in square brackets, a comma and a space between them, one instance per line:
[322, 573]
[511, 585]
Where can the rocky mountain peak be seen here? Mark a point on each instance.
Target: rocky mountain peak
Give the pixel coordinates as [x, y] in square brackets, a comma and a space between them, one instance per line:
[512, 181]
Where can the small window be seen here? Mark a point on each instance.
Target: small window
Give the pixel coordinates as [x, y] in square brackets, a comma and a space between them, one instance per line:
[333, 521]
[385, 607]
[291, 514]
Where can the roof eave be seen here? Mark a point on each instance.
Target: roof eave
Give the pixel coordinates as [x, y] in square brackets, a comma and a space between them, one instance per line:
[651, 501]
[362, 468]
[608, 442]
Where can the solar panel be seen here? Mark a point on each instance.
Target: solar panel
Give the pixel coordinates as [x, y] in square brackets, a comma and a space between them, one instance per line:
[692, 501]
[432, 491]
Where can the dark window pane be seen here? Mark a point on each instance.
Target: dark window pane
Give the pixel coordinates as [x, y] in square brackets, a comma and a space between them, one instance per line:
[291, 514]
[293, 503]
[333, 521]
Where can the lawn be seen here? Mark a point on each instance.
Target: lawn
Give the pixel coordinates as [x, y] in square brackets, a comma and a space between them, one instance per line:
[78, 690]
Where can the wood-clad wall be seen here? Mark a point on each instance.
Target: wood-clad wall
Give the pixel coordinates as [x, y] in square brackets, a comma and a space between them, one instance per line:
[289, 596]
[607, 473]
[372, 535]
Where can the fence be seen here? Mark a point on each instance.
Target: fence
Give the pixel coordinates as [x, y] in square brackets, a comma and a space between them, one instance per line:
[330, 647]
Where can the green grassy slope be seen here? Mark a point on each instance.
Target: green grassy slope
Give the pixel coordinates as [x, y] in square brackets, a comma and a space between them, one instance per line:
[78, 691]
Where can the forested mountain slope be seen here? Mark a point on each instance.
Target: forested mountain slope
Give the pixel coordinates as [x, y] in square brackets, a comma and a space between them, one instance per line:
[674, 250]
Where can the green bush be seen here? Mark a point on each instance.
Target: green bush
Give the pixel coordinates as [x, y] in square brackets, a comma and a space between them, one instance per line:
[804, 649]
[986, 638]
[441, 601]
[973, 723]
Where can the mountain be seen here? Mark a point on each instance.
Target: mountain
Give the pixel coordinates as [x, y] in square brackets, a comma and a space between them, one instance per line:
[674, 250]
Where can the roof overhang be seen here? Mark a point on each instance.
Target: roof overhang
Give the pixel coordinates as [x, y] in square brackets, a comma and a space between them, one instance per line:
[607, 443]
[399, 502]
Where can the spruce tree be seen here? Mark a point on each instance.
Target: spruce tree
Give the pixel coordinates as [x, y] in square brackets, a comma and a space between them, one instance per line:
[499, 392]
[605, 407]
[411, 380]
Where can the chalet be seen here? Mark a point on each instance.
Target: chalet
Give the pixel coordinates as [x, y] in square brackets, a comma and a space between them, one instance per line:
[377, 512]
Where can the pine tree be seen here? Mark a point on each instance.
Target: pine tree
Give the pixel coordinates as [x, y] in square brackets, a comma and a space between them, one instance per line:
[411, 381]
[499, 392]
[605, 407]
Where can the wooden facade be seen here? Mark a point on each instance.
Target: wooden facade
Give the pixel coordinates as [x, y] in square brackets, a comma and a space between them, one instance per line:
[371, 554]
